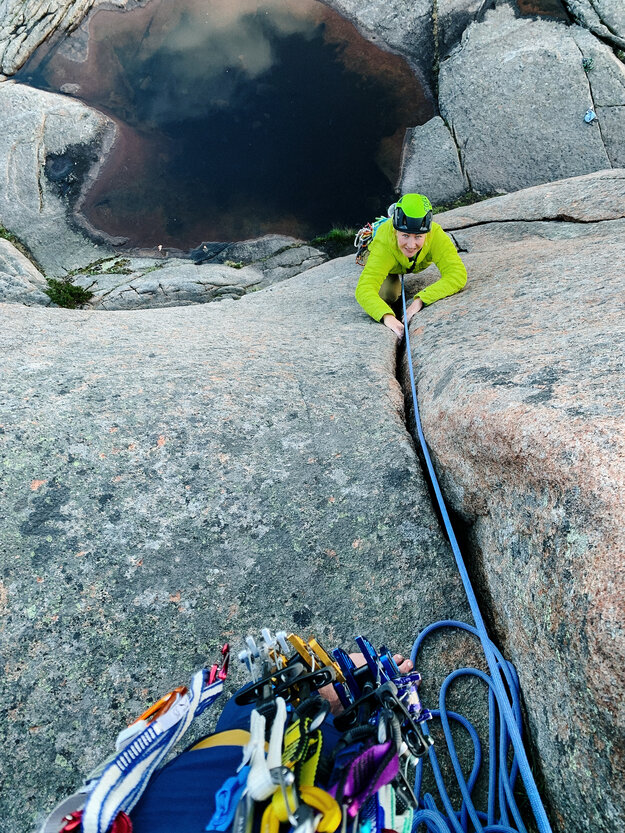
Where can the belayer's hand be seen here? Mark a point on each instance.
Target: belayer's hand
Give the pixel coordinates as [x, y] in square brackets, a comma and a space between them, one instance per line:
[328, 693]
[393, 324]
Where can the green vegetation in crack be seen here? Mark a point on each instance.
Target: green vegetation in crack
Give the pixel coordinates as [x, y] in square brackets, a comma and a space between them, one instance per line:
[64, 293]
[234, 264]
[466, 199]
[120, 266]
[147, 271]
[336, 243]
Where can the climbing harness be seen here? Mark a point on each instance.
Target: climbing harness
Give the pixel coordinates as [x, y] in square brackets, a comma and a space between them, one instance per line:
[293, 779]
[503, 693]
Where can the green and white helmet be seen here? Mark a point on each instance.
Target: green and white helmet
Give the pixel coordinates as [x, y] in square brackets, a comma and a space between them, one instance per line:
[412, 214]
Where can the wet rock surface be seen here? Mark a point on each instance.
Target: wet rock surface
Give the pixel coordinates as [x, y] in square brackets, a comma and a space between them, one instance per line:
[173, 478]
[407, 29]
[51, 153]
[454, 16]
[521, 394]
[527, 128]
[25, 24]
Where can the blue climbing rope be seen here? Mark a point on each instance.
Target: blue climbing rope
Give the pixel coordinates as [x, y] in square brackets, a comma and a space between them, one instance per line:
[504, 701]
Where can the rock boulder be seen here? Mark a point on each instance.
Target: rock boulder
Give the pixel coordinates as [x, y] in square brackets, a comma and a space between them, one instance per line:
[604, 18]
[26, 24]
[431, 164]
[53, 148]
[453, 17]
[20, 281]
[528, 127]
[145, 284]
[408, 29]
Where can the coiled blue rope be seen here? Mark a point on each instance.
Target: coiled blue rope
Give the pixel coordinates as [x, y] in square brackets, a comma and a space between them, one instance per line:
[503, 701]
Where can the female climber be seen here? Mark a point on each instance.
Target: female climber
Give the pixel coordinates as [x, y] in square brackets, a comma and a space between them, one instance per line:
[407, 241]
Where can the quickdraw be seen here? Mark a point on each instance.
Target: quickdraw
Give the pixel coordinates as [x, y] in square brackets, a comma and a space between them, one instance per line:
[363, 239]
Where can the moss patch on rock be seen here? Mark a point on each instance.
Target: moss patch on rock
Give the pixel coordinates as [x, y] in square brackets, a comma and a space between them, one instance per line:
[336, 243]
[64, 293]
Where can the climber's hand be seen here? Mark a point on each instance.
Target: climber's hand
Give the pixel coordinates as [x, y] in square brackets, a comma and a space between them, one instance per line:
[393, 324]
[413, 309]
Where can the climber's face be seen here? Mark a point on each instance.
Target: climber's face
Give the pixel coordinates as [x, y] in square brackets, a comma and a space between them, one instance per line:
[410, 244]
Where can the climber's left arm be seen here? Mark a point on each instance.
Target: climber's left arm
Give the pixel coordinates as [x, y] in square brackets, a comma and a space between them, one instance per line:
[442, 253]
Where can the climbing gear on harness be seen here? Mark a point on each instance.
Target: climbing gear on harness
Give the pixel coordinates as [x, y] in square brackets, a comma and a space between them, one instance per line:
[381, 738]
[122, 823]
[364, 237]
[369, 781]
[412, 214]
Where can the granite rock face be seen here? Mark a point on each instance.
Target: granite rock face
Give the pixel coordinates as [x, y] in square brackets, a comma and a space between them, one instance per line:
[604, 18]
[528, 127]
[52, 149]
[582, 199]
[454, 16]
[277, 256]
[26, 24]
[520, 381]
[20, 281]
[289, 262]
[606, 79]
[173, 478]
[147, 283]
[172, 283]
[431, 164]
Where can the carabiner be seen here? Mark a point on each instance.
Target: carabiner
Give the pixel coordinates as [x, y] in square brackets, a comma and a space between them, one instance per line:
[219, 670]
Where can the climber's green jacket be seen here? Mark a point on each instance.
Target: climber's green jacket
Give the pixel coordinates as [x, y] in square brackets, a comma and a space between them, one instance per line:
[385, 258]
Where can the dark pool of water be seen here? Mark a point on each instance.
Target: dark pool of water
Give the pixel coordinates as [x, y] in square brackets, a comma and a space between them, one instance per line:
[237, 118]
[543, 8]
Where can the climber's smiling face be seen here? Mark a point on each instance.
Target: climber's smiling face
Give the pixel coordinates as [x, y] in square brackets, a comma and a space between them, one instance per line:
[410, 244]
